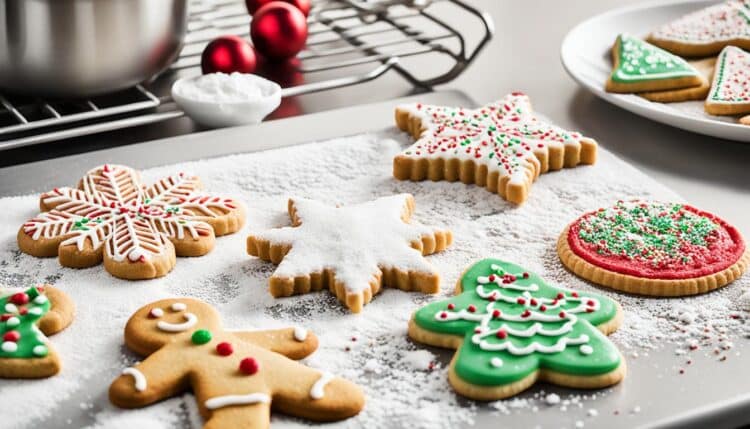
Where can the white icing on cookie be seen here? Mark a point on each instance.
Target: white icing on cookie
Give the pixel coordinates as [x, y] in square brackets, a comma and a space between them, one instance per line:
[190, 321]
[586, 349]
[354, 241]
[317, 390]
[138, 377]
[496, 362]
[731, 83]
[723, 22]
[300, 333]
[9, 346]
[156, 312]
[179, 306]
[225, 401]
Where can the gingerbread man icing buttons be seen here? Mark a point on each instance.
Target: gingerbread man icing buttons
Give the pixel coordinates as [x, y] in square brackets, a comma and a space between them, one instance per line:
[654, 248]
[351, 250]
[136, 230]
[26, 318]
[237, 377]
[510, 328]
[502, 146]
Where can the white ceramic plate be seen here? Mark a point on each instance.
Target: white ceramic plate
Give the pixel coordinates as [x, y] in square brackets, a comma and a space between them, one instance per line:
[586, 57]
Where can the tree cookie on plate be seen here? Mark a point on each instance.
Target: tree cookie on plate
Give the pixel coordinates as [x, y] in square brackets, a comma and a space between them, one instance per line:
[351, 250]
[26, 317]
[237, 377]
[707, 31]
[653, 248]
[705, 67]
[136, 230]
[640, 66]
[502, 146]
[511, 329]
[730, 89]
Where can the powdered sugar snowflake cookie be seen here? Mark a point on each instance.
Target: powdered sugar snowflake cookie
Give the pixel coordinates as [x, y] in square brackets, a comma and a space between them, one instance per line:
[511, 329]
[136, 230]
[26, 317]
[706, 31]
[640, 66]
[237, 377]
[730, 89]
[502, 146]
[654, 248]
[351, 250]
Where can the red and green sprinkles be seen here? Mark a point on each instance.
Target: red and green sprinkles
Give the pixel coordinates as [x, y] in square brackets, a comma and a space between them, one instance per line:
[19, 314]
[655, 240]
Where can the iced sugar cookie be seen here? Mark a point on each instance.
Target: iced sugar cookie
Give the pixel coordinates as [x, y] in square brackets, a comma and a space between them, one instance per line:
[706, 69]
[136, 230]
[653, 248]
[26, 317]
[237, 377]
[351, 250]
[510, 329]
[706, 31]
[502, 146]
[730, 89]
[640, 66]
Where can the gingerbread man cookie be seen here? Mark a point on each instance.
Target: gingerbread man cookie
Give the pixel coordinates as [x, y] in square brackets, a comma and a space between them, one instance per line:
[502, 146]
[351, 250]
[136, 230]
[236, 376]
[511, 328]
[25, 318]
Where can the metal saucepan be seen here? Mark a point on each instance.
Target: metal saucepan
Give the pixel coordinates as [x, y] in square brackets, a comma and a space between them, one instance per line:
[75, 48]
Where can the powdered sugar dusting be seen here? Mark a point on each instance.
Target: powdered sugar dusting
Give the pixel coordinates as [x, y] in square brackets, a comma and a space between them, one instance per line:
[406, 384]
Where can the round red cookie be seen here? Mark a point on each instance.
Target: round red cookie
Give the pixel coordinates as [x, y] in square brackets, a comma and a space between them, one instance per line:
[654, 248]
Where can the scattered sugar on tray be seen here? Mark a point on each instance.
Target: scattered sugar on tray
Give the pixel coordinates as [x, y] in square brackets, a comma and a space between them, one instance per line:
[744, 300]
[420, 360]
[552, 399]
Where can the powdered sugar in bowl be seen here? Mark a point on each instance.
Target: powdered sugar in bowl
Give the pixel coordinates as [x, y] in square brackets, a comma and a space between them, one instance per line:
[225, 100]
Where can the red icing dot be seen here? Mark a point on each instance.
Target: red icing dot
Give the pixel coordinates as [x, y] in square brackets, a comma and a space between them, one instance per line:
[501, 334]
[12, 336]
[5, 317]
[533, 301]
[560, 295]
[496, 313]
[526, 275]
[590, 303]
[575, 294]
[542, 307]
[225, 349]
[19, 298]
[443, 315]
[526, 313]
[521, 301]
[562, 314]
[22, 311]
[451, 306]
[249, 366]
[472, 308]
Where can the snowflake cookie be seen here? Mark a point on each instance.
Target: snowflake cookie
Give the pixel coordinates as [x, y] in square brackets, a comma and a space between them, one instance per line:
[640, 66]
[730, 89]
[511, 328]
[653, 248]
[707, 31]
[26, 316]
[502, 146]
[237, 377]
[351, 250]
[136, 230]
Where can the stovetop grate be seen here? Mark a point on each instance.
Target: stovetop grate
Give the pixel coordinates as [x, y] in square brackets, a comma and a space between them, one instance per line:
[350, 42]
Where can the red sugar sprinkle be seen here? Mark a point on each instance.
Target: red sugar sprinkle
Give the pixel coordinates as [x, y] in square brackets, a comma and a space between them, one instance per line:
[496, 313]
[443, 315]
[19, 298]
[560, 295]
[451, 306]
[562, 314]
[12, 336]
[501, 334]
[526, 275]
[542, 307]
[472, 308]
[5, 317]
[526, 313]
[249, 366]
[521, 301]
[224, 349]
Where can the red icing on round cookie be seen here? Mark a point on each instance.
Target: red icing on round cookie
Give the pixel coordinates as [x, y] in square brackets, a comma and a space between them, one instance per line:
[656, 240]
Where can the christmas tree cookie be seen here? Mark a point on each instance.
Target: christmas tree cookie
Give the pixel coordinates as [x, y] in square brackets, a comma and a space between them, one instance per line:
[706, 31]
[136, 230]
[25, 318]
[352, 250]
[730, 90]
[237, 377]
[502, 146]
[654, 248]
[511, 329]
[640, 67]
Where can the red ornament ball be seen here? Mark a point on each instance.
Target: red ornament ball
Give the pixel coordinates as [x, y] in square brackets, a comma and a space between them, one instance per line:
[249, 366]
[224, 349]
[278, 30]
[19, 298]
[253, 5]
[228, 54]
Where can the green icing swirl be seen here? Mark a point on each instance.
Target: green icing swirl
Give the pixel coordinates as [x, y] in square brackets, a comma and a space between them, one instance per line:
[639, 61]
[31, 343]
[477, 365]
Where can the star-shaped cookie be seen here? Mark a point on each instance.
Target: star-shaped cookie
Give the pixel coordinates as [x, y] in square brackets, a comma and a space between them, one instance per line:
[352, 250]
[502, 146]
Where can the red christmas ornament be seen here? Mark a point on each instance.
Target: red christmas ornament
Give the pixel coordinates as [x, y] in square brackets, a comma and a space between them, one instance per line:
[278, 30]
[249, 366]
[228, 54]
[254, 5]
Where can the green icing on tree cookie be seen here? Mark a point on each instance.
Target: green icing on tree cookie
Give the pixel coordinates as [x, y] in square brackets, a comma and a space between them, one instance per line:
[514, 323]
[639, 61]
[19, 314]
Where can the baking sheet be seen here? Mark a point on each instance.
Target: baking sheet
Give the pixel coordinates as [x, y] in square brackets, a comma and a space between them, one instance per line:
[654, 389]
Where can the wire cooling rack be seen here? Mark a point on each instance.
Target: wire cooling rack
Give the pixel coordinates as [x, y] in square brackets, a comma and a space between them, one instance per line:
[350, 42]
